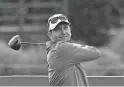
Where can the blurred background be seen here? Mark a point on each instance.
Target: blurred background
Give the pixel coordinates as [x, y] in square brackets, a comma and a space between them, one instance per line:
[94, 22]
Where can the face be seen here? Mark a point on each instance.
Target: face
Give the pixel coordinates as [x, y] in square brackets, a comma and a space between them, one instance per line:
[62, 32]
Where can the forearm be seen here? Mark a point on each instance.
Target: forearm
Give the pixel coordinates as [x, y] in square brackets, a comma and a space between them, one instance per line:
[86, 53]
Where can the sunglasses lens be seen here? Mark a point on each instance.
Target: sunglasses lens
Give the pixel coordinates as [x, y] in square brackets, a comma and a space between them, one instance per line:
[54, 20]
[62, 18]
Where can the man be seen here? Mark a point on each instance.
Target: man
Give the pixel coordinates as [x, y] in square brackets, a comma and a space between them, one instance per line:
[64, 58]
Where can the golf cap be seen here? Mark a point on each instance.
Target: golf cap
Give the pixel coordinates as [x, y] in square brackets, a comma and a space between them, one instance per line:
[54, 20]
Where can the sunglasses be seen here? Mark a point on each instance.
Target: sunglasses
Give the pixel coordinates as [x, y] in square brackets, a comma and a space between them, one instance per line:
[55, 19]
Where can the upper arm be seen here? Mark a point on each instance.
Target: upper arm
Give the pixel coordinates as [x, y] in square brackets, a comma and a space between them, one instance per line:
[76, 53]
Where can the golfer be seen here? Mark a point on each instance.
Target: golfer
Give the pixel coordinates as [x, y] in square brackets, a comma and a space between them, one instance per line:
[64, 58]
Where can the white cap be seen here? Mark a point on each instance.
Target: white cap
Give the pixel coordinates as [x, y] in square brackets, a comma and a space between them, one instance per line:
[53, 25]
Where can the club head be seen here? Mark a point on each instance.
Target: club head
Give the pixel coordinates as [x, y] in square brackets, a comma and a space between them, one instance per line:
[15, 42]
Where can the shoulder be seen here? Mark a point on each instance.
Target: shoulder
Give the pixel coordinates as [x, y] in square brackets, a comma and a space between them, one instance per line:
[65, 45]
[65, 49]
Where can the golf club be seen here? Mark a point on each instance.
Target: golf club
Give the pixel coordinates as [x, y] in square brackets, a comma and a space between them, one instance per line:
[15, 42]
[33, 43]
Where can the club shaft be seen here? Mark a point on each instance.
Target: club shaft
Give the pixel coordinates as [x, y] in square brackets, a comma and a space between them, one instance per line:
[33, 43]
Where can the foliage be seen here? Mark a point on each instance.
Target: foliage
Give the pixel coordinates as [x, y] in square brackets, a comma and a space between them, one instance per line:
[92, 19]
[33, 62]
[29, 62]
[108, 64]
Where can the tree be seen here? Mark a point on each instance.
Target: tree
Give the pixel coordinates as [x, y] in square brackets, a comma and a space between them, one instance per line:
[92, 19]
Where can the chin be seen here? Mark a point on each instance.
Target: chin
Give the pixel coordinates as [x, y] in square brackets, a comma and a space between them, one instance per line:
[64, 39]
[67, 39]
